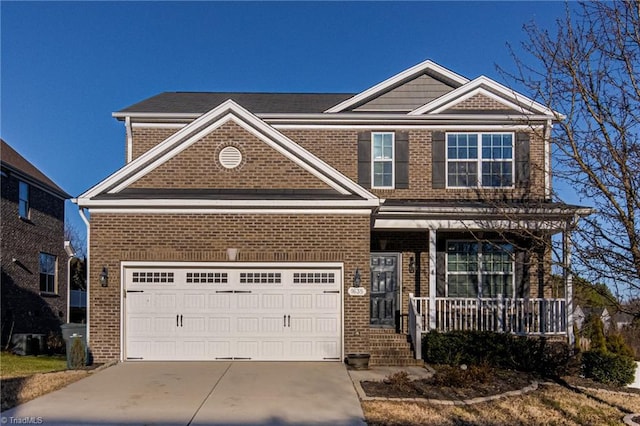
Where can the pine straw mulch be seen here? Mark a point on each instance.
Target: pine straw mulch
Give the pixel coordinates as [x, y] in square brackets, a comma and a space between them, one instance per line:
[450, 383]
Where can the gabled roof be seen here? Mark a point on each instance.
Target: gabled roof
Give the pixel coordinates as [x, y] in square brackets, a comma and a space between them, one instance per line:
[485, 86]
[106, 192]
[257, 103]
[17, 164]
[398, 79]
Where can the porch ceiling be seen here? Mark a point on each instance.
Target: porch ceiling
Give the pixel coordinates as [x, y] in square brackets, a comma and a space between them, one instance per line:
[477, 215]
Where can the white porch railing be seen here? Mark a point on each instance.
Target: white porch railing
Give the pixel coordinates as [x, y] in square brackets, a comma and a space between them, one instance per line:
[78, 299]
[524, 316]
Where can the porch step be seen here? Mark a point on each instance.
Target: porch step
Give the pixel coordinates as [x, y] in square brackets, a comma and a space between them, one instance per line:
[390, 348]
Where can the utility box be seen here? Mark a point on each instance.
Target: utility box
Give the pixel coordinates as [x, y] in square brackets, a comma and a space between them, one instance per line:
[71, 332]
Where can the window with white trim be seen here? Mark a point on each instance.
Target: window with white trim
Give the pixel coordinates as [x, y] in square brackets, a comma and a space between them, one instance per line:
[23, 199]
[48, 263]
[382, 160]
[480, 269]
[480, 159]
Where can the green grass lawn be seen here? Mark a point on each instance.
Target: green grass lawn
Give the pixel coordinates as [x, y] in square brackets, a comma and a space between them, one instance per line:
[16, 366]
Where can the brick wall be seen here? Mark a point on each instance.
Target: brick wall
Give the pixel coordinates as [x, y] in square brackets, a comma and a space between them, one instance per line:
[337, 147]
[23, 240]
[198, 166]
[259, 238]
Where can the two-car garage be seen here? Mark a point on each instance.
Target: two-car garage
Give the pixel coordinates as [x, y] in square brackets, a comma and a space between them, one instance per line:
[238, 311]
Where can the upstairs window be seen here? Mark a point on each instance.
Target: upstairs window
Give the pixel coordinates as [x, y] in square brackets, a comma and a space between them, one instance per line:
[480, 159]
[48, 268]
[383, 153]
[23, 200]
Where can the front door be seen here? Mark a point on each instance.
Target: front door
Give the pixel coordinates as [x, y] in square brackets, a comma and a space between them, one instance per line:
[384, 289]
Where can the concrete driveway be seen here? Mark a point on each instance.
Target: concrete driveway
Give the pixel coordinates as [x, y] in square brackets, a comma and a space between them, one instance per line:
[201, 393]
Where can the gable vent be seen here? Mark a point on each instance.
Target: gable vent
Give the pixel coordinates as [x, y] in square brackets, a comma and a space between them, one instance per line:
[230, 157]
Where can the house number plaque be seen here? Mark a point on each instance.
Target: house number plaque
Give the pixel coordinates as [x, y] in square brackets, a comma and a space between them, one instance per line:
[357, 291]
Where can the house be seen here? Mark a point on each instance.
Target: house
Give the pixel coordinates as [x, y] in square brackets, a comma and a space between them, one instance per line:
[33, 256]
[580, 315]
[305, 226]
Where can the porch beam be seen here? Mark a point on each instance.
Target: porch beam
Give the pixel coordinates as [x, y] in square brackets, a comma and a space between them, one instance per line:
[568, 278]
[432, 278]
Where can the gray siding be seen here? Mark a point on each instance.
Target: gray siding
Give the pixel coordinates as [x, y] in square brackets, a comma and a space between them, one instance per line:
[408, 96]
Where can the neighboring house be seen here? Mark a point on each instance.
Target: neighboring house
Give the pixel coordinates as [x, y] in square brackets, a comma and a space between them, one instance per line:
[287, 226]
[580, 315]
[622, 320]
[33, 256]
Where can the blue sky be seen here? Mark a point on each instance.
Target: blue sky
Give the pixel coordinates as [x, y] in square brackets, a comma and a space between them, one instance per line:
[66, 66]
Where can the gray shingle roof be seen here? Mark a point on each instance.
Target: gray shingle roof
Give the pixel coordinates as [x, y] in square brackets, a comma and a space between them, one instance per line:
[201, 102]
[15, 162]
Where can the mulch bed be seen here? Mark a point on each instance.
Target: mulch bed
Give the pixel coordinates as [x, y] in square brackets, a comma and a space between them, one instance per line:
[588, 383]
[500, 381]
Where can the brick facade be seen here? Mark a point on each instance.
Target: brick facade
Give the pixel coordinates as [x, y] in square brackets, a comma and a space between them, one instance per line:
[205, 238]
[273, 237]
[24, 307]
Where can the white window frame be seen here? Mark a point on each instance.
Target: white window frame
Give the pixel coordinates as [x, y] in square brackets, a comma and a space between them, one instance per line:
[54, 275]
[480, 272]
[480, 160]
[24, 202]
[392, 160]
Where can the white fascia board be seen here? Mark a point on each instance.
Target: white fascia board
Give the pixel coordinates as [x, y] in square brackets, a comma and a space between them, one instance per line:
[475, 211]
[469, 224]
[389, 127]
[390, 82]
[210, 211]
[154, 157]
[156, 115]
[484, 92]
[517, 100]
[91, 203]
[149, 155]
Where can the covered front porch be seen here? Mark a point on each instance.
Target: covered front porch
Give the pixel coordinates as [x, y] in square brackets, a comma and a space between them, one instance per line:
[481, 267]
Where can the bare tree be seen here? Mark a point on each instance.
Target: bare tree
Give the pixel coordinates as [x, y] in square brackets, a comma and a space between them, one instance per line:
[589, 70]
[79, 244]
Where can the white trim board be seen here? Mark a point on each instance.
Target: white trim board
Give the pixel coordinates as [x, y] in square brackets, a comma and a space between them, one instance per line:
[207, 123]
[382, 87]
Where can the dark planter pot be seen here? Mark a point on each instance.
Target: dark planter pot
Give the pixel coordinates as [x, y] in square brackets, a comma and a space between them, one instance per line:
[358, 361]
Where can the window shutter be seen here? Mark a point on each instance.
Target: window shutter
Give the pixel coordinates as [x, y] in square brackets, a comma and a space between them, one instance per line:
[438, 163]
[522, 160]
[364, 159]
[402, 160]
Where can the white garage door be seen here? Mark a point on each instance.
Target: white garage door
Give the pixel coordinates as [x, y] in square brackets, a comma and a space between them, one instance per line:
[240, 313]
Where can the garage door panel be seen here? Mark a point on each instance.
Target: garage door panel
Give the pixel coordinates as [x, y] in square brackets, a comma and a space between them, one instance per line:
[209, 313]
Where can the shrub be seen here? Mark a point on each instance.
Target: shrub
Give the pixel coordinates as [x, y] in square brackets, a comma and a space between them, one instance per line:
[609, 368]
[55, 343]
[617, 345]
[77, 356]
[400, 381]
[500, 350]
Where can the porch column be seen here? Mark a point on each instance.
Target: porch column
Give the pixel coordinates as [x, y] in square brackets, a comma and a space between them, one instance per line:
[568, 279]
[432, 279]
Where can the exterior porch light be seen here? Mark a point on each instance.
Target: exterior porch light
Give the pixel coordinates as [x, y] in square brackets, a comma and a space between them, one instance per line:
[104, 277]
[356, 278]
[412, 265]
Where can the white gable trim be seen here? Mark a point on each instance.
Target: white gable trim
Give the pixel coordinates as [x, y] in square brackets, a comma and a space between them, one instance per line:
[390, 82]
[208, 122]
[490, 88]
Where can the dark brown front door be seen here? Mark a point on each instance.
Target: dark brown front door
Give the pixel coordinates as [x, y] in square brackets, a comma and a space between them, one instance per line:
[384, 289]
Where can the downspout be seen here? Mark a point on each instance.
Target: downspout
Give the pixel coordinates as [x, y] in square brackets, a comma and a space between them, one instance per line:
[68, 248]
[88, 267]
[129, 133]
